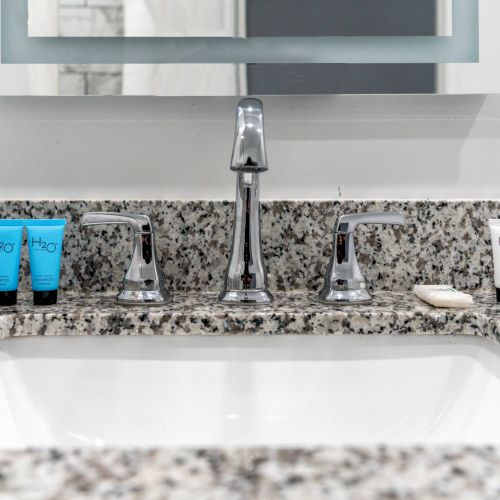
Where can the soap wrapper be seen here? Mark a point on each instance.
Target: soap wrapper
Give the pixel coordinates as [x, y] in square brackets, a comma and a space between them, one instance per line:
[443, 296]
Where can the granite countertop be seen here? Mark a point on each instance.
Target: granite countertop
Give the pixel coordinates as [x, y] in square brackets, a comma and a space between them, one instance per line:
[291, 313]
[361, 473]
[376, 473]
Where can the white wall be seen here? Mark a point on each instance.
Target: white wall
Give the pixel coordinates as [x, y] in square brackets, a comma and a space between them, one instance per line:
[318, 147]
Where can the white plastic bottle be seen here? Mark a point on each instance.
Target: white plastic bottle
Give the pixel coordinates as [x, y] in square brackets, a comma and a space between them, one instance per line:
[495, 242]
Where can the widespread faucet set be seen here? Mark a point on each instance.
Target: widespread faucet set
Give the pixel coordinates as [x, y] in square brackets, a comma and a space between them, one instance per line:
[246, 278]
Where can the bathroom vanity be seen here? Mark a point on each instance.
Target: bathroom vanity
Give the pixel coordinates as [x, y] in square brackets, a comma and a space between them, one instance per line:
[195, 397]
[291, 374]
[290, 399]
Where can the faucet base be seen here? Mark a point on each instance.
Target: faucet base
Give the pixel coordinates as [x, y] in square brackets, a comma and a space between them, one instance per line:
[245, 297]
[143, 298]
[344, 297]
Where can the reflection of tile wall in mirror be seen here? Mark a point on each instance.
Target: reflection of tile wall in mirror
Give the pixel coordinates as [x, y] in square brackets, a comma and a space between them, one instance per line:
[156, 18]
[107, 18]
[90, 18]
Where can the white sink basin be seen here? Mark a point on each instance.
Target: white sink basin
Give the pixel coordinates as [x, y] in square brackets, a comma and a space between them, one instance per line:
[276, 391]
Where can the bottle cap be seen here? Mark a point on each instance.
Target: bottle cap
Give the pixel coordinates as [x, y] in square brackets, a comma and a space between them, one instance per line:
[45, 298]
[8, 298]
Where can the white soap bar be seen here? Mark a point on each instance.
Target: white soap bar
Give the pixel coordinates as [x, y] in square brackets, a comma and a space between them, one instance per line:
[442, 296]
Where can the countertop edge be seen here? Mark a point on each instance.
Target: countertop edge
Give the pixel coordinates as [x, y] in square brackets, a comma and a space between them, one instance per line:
[295, 313]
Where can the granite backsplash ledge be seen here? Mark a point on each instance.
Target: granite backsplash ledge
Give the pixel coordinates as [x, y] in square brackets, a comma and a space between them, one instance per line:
[443, 242]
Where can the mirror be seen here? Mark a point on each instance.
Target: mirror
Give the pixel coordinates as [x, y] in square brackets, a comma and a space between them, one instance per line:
[262, 47]
[243, 19]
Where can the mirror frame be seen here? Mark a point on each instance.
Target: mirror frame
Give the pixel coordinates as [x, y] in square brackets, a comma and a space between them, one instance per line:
[19, 48]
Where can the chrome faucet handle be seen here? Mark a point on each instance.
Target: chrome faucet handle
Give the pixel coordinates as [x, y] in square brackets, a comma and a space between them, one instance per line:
[143, 282]
[344, 281]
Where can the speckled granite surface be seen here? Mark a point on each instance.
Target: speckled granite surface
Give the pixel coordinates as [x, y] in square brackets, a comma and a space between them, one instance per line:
[444, 241]
[365, 473]
[291, 313]
[375, 473]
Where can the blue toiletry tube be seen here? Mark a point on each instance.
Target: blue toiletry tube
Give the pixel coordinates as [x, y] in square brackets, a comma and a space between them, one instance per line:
[45, 242]
[11, 240]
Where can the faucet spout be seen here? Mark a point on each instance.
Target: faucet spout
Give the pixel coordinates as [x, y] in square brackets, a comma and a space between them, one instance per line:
[246, 277]
[249, 152]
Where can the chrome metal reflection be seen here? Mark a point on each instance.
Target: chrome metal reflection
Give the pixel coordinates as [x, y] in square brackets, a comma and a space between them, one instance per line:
[143, 282]
[344, 281]
[246, 278]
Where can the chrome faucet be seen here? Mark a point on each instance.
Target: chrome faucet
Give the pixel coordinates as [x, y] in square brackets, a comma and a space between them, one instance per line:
[143, 283]
[246, 278]
[344, 281]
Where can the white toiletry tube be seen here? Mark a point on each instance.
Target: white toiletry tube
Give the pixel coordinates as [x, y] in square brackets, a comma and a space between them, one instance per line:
[495, 241]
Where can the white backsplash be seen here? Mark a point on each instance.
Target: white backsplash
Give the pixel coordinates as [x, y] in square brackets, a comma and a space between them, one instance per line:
[319, 147]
